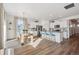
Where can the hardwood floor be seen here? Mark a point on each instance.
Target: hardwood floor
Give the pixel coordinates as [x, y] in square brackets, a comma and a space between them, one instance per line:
[46, 47]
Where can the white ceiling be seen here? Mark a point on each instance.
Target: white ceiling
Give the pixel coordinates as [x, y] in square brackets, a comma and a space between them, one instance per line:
[42, 11]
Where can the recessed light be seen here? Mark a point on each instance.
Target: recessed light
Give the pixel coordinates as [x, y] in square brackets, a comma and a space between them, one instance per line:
[51, 15]
[60, 16]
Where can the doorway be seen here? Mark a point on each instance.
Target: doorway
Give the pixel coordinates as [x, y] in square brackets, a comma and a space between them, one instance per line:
[74, 27]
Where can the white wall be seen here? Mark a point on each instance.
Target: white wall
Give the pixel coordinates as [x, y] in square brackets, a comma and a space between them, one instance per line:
[10, 33]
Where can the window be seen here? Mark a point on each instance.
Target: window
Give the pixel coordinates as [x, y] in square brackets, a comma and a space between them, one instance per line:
[20, 26]
[77, 25]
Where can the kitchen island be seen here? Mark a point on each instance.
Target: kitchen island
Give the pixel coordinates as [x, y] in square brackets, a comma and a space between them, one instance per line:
[56, 36]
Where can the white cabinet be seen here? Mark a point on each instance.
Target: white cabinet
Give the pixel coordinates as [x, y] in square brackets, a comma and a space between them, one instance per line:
[58, 37]
[65, 35]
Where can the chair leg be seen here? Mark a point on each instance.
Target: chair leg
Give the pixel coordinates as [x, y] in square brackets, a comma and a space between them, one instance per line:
[22, 44]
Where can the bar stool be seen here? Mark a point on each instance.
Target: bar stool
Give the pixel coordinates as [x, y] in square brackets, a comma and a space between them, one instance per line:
[53, 37]
[48, 35]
